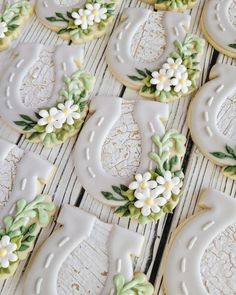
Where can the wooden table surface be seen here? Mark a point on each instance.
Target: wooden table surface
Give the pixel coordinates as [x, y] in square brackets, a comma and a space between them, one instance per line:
[65, 186]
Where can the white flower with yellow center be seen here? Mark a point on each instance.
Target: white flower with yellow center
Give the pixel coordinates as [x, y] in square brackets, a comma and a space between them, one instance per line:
[99, 13]
[83, 18]
[6, 252]
[181, 83]
[51, 119]
[70, 111]
[174, 67]
[149, 202]
[142, 183]
[162, 80]
[168, 185]
[3, 29]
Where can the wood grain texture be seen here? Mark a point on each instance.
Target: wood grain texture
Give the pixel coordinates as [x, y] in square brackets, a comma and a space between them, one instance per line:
[65, 186]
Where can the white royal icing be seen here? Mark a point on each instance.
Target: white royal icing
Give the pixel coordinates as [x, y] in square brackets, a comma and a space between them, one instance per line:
[204, 110]
[87, 154]
[32, 172]
[217, 22]
[42, 275]
[183, 266]
[13, 79]
[119, 54]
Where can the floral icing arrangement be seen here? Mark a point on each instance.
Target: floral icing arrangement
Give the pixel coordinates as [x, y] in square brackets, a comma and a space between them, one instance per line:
[174, 5]
[56, 124]
[11, 18]
[158, 191]
[18, 236]
[178, 75]
[85, 23]
[230, 153]
[139, 285]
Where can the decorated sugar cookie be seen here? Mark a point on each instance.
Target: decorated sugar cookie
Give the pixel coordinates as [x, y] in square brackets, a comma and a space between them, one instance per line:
[118, 244]
[219, 26]
[78, 23]
[44, 94]
[23, 210]
[153, 53]
[201, 257]
[206, 119]
[134, 136]
[173, 5]
[13, 16]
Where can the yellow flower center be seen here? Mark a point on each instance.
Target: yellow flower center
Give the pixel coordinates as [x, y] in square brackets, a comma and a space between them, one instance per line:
[162, 78]
[50, 119]
[66, 111]
[182, 81]
[95, 12]
[143, 185]
[149, 201]
[174, 66]
[3, 252]
[168, 185]
[84, 18]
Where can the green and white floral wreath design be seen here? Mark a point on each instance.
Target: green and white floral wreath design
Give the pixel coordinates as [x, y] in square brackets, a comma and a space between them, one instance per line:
[10, 18]
[176, 4]
[178, 75]
[229, 153]
[94, 16]
[139, 285]
[56, 124]
[20, 231]
[158, 191]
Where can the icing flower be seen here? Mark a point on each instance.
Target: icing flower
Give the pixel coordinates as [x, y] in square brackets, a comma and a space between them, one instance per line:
[162, 80]
[168, 185]
[142, 183]
[98, 12]
[83, 18]
[181, 83]
[149, 201]
[174, 67]
[70, 111]
[3, 29]
[51, 119]
[6, 252]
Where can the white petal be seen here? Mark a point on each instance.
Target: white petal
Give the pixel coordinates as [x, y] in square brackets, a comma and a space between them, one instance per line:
[43, 113]
[58, 124]
[155, 74]
[61, 106]
[84, 26]
[49, 128]
[160, 180]
[89, 6]
[133, 185]
[175, 180]
[53, 111]
[78, 22]
[184, 89]
[139, 196]
[154, 81]
[147, 176]
[42, 122]
[12, 257]
[152, 184]
[4, 263]
[155, 208]
[146, 211]
[97, 6]
[157, 191]
[74, 108]
[139, 177]
[68, 103]
[75, 14]
[175, 190]
[11, 247]
[174, 82]
[138, 204]
[167, 175]
[70, 120]
[167, 195]
[76, 116]
[178, 88]
[160, 201]
[5, 241]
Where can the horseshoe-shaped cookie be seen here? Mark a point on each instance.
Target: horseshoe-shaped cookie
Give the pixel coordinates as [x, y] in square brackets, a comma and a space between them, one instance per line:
[57, 118]
[13, 16]
[42, 275]
[219, 27]
[202, 119]
[155, 189]
[166, 78]
[26, 212]
[78, 24]
[173, 5]
[182, 275]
